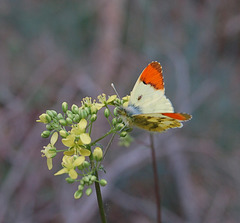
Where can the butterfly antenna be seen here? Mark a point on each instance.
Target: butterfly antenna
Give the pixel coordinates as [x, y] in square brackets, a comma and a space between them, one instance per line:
[115, 90]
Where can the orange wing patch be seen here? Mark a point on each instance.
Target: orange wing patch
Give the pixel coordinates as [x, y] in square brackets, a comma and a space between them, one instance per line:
[152, 75]
[178, 116]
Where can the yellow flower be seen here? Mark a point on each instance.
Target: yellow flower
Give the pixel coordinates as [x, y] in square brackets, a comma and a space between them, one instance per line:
[76, 139]
[87, 101]
[104, 101]
[43, 118]
[69, 164]
[50, 150]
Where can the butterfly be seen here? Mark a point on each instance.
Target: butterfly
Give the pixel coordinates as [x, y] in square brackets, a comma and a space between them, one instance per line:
[148, 108]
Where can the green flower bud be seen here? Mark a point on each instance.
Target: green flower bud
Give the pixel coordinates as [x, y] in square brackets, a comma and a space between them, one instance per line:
[123, 134]
[69, 113]
[49, 127]
[64, 107]
[83, 113]
[80, 187]
[88, 110]
[82, 182]
[78, 194]
[86, 164]
[89, 183]
[50, 113]
[75, 109]
[54, 113]
[116, 111]
[59, 116]
[85, 179]
[88, 191]
[93, 178]
[70, 180]
[103, 182]
[48, 118]
[93, 118]
[98, 154]
[76, 118]
[63, 133]
[119, 126]
[117, 101]
[69, 121]
[119, 120]
[106, 112]
[55, 125]
[114, 121]
[45, 134]
[63, 122]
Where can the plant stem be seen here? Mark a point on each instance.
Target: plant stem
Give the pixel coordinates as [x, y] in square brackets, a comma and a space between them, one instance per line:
[100, 201]
[156, 185]
[108, 133]
[98, 193]
[108, 145]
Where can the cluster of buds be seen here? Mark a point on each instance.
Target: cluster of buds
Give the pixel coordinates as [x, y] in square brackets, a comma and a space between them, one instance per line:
[74, 127]
[88, 181]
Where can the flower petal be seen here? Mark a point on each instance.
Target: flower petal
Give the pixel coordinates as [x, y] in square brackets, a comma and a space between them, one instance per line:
[73, 174]
[49, 163]
[62, 171]
[78, 161]
[65, 159]
[99, 106]
[54, 138]
[69, 140]
[111, 98]
[85, 138]
[85, 152]
[82, 124]
[69, 152]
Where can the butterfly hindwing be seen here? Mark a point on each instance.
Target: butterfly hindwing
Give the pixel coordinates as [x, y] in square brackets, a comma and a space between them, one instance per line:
[158, 122]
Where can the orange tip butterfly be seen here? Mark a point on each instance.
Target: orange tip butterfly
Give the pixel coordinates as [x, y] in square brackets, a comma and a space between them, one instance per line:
[148, 108]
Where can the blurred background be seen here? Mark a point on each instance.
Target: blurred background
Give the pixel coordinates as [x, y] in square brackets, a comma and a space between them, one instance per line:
[54, 51]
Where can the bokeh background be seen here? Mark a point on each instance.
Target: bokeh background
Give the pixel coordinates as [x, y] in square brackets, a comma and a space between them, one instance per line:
[54, 51]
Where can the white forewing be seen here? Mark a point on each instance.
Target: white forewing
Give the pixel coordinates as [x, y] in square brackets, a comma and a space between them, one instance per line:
[148, 99]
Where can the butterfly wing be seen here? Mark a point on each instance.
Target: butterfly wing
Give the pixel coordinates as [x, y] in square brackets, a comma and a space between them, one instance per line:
[148, 107]
[148, 94]
[159, 122]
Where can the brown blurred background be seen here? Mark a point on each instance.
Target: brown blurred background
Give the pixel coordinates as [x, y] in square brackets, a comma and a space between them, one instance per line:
[54, 51]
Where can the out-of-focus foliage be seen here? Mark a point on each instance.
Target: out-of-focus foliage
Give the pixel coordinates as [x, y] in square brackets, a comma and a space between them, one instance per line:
[54, 51]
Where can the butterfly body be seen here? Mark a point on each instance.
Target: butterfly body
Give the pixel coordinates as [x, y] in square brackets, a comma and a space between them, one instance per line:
[148, 107]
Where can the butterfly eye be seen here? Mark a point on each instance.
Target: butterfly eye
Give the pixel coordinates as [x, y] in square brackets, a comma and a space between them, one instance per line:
[139, 97]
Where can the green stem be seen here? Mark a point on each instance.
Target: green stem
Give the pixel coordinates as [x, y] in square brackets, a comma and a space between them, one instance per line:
[108, 133]
[156, 185]
[100, 201]
[90, 129]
